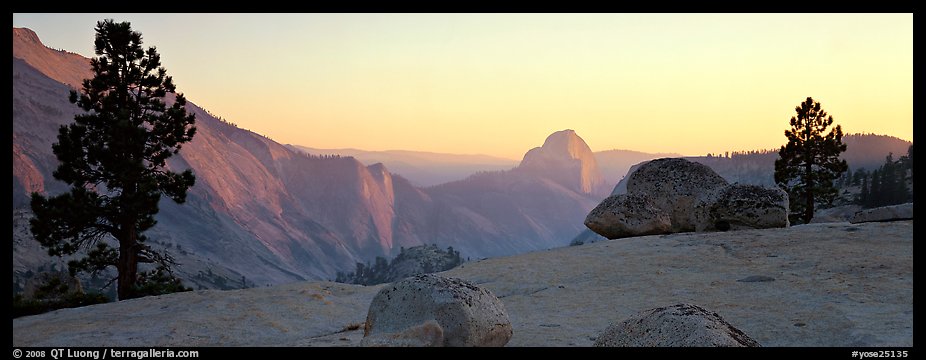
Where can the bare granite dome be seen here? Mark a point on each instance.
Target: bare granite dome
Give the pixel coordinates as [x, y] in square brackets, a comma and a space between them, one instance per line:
[567, 159]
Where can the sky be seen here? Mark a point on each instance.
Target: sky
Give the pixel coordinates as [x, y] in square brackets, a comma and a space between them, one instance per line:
[498, 84]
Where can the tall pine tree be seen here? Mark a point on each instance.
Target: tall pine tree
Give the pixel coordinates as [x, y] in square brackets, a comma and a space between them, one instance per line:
[875, 193]
[889, 181]
[113, 157]
[810, 161]
[910, 161]
[864, 197]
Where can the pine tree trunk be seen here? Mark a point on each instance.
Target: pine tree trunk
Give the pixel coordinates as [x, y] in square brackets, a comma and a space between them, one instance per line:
[128, 264]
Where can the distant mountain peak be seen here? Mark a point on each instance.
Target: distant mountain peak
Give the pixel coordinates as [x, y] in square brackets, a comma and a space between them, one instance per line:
[566, 142]
[63, 66]
[566, 159]
[26, 35]
[563, 144]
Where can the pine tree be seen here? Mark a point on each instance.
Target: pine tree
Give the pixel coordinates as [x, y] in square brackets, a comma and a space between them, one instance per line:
[910, 161]
[875, 195]
[864, 197]
[889, 181]
[113, 157]
[859, 175]
[810, 161]
[908, 166]
[901, 190]
[846, 179]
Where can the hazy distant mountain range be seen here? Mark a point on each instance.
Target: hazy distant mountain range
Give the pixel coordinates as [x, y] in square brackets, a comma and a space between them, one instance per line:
[272, 214]
[420, 167]
[755, 167]
[429, 168]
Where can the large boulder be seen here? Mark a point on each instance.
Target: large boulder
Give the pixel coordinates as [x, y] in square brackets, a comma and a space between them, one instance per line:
[884, 213]
[676, 195]
[431, 310]
[739, 206]
[673, 185]
[627, 215]
[681, 325]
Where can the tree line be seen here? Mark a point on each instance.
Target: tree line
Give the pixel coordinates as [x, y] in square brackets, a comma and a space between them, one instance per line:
[422, 259]
[735, 154]
[889, 184]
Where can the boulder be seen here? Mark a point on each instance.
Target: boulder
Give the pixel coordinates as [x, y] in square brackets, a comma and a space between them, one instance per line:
[690, 197]
[681, 325]
[835, 214]
[884, 213]
[431, 310]
[674, 185]
[627, 215]
[739, 206]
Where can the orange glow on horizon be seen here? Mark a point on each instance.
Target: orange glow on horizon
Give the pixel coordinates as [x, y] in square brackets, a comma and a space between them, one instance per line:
[498, 84]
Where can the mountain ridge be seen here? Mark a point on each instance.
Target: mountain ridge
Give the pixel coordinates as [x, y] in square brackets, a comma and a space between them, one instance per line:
[63, 66]
[421, 167]
[427, 169]
[272, 215]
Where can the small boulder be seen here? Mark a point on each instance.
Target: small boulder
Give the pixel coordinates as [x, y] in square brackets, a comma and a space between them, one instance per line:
[431, 310]
[739, 206]
[884, 213]
[681, 325]
[627, 215]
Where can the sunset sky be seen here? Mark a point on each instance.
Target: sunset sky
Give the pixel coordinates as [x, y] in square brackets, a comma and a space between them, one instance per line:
[498, 84]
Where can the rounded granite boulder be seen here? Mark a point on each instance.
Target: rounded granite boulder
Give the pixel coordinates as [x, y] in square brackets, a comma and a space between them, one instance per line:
[674, 184]
[431, 310]
[627, 215]
[681, 325]
[740, 206]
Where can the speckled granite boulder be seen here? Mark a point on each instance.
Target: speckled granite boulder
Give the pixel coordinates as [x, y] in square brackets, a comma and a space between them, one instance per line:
[681, 325]
[626, 215]
[884, 213]
[673, 185]
[431, 310]
[739, 206]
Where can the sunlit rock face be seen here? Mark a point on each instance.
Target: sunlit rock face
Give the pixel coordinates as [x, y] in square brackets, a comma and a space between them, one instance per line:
[567, 159]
